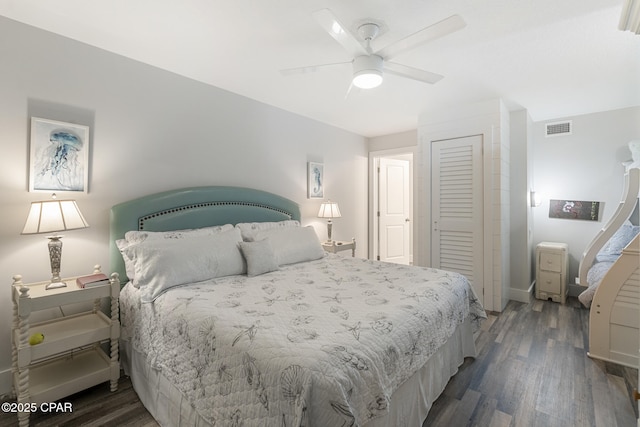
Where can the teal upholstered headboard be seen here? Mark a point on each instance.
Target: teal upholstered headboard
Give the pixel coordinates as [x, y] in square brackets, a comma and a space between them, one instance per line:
[194, 208]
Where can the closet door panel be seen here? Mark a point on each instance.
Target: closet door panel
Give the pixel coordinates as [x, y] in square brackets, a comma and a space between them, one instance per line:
[457, 207]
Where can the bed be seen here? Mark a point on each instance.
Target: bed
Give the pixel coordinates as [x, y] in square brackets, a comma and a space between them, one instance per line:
[610, 267]
[324, 341]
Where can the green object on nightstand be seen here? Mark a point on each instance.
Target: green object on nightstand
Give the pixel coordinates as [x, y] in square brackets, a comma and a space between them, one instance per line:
[36, 339]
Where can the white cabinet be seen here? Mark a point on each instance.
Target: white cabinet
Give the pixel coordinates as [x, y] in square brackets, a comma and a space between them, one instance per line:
[70, 357]
[552, 264]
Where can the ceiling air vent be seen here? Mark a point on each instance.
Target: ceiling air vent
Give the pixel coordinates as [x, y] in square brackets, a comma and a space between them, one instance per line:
[558, 128]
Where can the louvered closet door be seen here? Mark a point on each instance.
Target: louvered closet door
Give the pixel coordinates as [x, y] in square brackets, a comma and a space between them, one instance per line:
[457, 206]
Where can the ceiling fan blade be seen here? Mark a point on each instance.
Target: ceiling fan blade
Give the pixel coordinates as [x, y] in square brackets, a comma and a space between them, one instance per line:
[353, 89]
[412, 73]
[309, 68]
[330, 23]
[432, 32]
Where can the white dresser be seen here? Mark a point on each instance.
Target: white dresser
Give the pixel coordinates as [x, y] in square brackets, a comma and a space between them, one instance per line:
[552, 265]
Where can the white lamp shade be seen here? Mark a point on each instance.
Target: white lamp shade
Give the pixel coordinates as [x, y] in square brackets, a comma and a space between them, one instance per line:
[329, 210]
[54, 215]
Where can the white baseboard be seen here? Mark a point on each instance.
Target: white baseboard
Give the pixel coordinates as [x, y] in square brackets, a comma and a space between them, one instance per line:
[6, 383]
[521, 295]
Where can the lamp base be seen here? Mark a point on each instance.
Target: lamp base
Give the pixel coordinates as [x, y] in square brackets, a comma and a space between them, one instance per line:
[55, 285]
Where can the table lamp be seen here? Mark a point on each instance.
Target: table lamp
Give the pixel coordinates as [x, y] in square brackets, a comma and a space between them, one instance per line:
[52, 216]
[329, 210]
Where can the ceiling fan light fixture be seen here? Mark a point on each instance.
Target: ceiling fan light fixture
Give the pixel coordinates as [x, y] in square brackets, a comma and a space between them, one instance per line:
[367, 71]
[367, 79]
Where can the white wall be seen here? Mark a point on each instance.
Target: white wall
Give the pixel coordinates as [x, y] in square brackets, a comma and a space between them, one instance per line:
[150, 131]
[585, 165]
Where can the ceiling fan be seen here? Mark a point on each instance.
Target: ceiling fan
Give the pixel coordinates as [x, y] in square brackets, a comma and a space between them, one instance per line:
[368, 66]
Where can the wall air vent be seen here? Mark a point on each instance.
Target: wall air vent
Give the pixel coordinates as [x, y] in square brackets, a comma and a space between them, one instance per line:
[558, 128]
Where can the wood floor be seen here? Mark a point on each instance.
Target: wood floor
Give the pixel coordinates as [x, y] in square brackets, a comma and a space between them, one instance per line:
[532, 370]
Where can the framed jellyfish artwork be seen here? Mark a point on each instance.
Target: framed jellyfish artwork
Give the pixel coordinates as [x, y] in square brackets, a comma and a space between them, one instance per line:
[59, 156]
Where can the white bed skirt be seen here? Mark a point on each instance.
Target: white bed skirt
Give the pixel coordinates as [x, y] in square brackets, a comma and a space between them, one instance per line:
[409, 404]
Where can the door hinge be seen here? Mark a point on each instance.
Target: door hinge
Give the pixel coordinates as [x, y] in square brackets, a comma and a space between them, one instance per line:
[378, 258]
[378, 213]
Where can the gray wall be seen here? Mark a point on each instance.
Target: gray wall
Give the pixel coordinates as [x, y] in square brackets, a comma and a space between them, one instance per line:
[150, 131]
[585, 165]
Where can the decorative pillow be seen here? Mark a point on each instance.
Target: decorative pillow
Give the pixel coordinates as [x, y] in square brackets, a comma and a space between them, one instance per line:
[160, 264]
[259, 256]
[621, 238]
[293, 244]
[139, 236]
[250, 229]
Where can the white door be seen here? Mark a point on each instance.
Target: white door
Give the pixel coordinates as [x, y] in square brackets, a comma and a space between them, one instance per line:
[394, 207]
[457, 208]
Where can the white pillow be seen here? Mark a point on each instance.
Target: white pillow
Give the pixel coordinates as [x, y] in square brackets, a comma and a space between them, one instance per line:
[139, 236]
[132, 238]
[129, 265]
[164, 263]
[250, 229]
[173, 263]
[230, 259]
[259, 256]
[293, 244]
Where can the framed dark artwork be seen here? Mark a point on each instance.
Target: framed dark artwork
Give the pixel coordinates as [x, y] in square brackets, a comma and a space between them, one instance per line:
[574, 209]
[59, 156]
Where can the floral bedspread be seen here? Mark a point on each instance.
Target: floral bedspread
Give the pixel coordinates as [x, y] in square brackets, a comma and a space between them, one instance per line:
[324, 342]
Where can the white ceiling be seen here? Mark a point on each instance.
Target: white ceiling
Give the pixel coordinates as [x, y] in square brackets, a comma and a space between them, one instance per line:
[554, 58]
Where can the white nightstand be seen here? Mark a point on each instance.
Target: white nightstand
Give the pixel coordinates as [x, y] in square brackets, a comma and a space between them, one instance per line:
[70, 358]
[552, 264]
[335, 246]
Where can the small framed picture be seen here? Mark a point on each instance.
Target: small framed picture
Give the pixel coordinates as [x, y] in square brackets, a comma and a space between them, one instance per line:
[59, 156]
[315, 180]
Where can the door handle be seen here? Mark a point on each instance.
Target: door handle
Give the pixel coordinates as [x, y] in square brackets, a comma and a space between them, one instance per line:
[636, 395]
[407, 220]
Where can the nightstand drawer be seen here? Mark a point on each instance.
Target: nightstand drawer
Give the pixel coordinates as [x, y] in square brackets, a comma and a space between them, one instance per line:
[550, 282]
[550, 261]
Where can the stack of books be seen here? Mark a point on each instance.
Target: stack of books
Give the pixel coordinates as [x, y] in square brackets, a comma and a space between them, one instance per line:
[92, 280]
